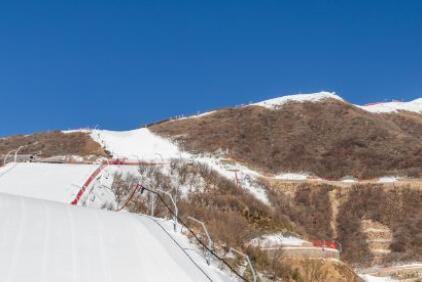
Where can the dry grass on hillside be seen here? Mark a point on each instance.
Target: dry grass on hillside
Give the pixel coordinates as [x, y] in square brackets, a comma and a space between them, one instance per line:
[399, 208]
[318, 270]
[331, 139]
[54, 143]
[232, 215]
[411, 123]
[309, 209]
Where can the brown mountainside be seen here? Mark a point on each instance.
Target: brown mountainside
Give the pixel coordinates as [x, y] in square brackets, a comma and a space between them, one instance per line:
[53, 143]
[331, 139]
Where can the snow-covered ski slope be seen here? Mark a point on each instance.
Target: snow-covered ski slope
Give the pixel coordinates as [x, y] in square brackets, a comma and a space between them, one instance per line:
[61, 182]
[137, 144]
[49, 242]
[55, 182]
[142, 144]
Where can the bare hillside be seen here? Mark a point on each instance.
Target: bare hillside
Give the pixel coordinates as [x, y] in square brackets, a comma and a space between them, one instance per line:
[54, 143]
[331, 139]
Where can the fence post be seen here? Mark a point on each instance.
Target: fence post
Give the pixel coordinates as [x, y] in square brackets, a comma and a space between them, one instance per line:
[175, 207]
[16, 153]
[7, 156]
[248, 261]
[152, 203]
[210, 243]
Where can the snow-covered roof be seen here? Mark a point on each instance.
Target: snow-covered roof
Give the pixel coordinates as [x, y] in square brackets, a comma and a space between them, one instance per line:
[313, 97]
[388, 107]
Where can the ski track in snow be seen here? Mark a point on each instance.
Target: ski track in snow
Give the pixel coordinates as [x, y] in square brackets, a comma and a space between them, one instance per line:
[103, 254]
[55, 182]
[47, 231]
[49, 242]
[17, 241]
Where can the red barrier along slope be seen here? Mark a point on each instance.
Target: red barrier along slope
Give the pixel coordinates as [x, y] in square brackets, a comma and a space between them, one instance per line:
[324, 244]
[87, 183]
[98, 171]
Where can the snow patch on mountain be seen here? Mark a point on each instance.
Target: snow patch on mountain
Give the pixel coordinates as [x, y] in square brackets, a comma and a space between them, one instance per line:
[241, 175]
[395, 106]
[82, 130]
[370, 278]
[270, 241]
[199, 115]
[388, 107]
[292, 176]
[388, 179]
[314, 97]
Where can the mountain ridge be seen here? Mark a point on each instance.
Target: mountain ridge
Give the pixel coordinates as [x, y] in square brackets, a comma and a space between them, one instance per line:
[318, 133]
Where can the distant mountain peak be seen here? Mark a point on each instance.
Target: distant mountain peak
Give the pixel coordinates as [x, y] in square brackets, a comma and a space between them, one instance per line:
[381, 107]
[312, 97]
[394, 106]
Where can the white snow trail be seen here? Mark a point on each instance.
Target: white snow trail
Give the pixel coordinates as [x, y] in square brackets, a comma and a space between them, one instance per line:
[48, 241]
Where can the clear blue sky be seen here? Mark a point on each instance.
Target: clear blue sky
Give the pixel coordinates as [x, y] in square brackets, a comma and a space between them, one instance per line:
[120, 64]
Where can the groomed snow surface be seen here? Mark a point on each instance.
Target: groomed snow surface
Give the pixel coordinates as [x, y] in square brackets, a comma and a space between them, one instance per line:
[45, 241]
[49, 242]
[61, 182]
[55, 182]
[136, 144]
